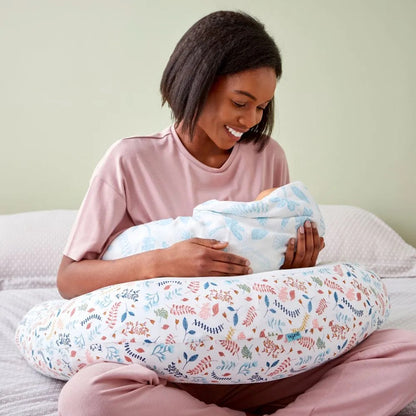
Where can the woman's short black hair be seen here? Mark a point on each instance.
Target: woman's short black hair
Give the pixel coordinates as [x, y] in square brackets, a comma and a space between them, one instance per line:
[224, 42]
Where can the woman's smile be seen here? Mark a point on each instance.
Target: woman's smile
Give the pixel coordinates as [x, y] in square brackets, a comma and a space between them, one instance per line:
[234, 133]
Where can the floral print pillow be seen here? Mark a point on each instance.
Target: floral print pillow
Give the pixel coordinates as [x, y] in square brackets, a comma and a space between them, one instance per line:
[238, 330]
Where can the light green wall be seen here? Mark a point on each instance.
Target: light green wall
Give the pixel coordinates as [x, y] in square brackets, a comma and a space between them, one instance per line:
[77, 75]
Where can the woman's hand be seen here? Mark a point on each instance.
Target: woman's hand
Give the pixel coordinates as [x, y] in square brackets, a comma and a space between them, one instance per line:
[304, 252]
[202, 257]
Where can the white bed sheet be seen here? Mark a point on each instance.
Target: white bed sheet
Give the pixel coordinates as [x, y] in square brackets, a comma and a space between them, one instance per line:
[24, 392]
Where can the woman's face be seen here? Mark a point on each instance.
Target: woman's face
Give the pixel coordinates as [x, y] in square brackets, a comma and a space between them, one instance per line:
[235, 104]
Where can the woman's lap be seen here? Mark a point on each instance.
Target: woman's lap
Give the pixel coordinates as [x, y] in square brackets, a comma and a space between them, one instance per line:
[106, 386]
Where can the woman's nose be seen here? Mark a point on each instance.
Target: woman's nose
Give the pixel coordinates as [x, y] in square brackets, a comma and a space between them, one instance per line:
[250, 118]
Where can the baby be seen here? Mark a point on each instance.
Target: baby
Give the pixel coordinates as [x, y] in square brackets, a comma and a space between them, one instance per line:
[257, 230]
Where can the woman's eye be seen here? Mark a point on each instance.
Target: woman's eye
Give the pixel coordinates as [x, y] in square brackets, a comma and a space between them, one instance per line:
[239, 105]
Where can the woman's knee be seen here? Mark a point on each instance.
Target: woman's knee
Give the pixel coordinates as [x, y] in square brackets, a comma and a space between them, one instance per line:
[398, 336]
[97, 389]
[79, 394]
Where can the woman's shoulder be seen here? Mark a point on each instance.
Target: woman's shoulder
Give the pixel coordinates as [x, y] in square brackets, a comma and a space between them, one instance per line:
[126, 144]
[131, 150]
[274, 146]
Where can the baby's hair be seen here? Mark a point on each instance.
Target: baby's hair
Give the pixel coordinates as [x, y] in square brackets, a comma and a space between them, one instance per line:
[224, 42]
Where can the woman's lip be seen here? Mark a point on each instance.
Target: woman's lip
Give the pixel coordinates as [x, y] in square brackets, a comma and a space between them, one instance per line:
[241, 132]
[234, 138]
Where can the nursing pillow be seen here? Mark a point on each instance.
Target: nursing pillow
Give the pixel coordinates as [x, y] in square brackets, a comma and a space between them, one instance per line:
[256, 230]
[225, 330]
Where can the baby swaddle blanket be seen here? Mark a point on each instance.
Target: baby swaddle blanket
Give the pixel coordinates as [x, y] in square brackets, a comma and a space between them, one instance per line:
[256, 230]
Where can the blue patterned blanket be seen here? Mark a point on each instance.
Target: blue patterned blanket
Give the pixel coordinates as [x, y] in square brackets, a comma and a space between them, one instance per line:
[257, 230]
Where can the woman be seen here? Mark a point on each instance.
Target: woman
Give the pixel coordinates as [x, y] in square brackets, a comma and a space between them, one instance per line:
[219, 83]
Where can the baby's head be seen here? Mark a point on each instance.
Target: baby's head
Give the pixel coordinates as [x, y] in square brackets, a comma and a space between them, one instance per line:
[264, 193]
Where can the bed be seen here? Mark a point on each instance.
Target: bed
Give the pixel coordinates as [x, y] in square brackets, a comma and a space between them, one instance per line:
[30, 252]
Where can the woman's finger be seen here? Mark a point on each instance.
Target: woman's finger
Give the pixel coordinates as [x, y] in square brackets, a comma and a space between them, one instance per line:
[316, 243]
[290, 252]
[309, 244]
[228, 258]
[300, 248]
[209, 242]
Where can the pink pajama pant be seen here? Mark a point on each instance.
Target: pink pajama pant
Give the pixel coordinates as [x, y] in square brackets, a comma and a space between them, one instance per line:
[376, 378]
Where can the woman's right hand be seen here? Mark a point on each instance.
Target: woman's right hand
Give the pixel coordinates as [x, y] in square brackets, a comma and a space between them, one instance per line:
[203, 257]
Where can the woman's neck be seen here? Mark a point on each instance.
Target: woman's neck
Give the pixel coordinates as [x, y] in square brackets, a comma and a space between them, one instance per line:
[202, 148]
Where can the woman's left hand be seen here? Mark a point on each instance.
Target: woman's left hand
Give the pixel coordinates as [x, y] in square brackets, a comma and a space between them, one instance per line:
[304, 251]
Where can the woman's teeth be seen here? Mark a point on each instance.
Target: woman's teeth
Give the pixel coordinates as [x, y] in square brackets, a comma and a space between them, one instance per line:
[235, 133]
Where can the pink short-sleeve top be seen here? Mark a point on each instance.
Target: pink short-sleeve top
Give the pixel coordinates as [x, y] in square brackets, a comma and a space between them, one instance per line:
[148, 178]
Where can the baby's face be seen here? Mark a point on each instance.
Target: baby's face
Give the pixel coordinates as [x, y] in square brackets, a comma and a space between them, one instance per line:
[264, 193]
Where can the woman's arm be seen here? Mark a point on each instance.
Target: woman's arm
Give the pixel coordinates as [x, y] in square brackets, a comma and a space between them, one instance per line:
[194, 257]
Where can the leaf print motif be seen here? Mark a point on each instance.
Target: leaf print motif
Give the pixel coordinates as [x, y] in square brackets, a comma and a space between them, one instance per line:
[352, 342]
[272, 349]
[283, 367]
[211, 330]
[304, 322]
[270, 366]
[333, 285]
[291, 205]
[162, 313]
[244, 287]
[321, 306]
[230, 334]
[205, 311]
[161, 350]
[320, 343]
[307, 342]
[230, 346]
[226, 365]
[259, 233]
[292, 313]
[338, 270]
[307, 212]
[235, 228]
[263, 288]
[202, 365]
[317, 280]
[170, 339]
[194, 286]
[246, 353]
[351, 294]
[112, 315]
[251, 315]
[182, 310]
[283, 294]
[299, 193]
[355, 311]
